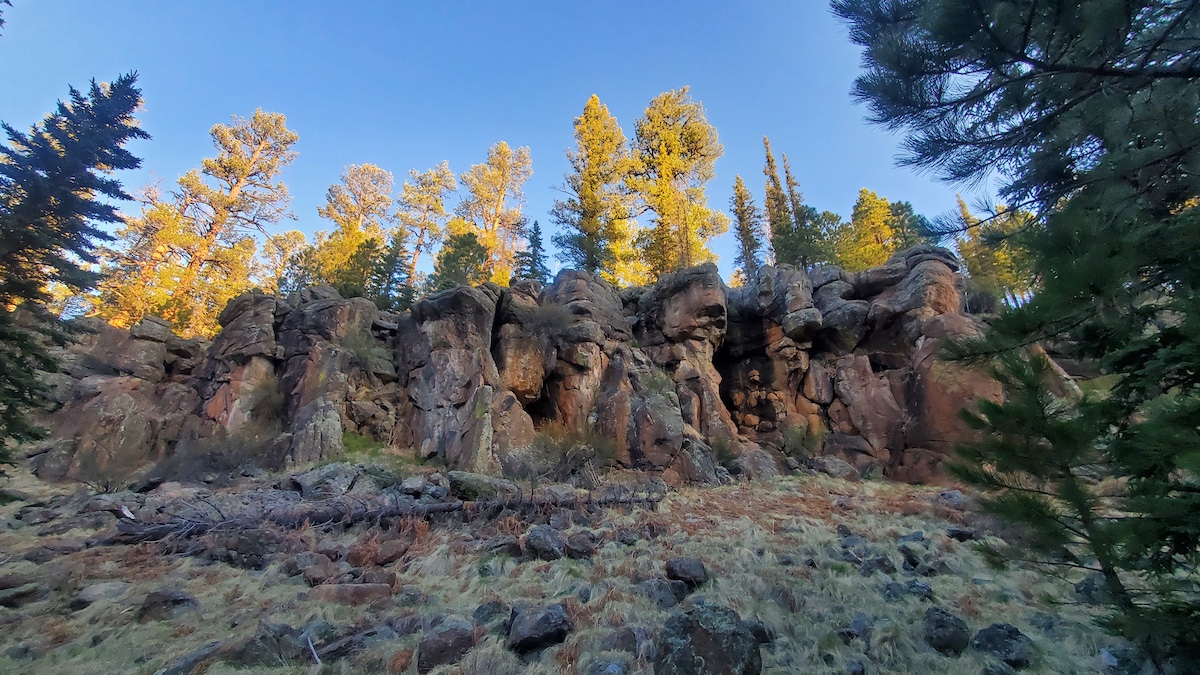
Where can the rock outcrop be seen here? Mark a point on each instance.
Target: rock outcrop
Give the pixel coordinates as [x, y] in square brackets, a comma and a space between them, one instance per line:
[688, 378]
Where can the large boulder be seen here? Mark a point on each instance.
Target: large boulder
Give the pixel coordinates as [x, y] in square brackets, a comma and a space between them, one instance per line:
[707, 640]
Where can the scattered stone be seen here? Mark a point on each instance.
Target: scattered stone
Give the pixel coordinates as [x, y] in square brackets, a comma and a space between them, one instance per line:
[860, 627]
[503, 545]
[919, 588]
[21, 652]
[415, 486]
[997, 669]
[621, 640]
[627, 537]
[327, 482]
[912, 559]
[445, 645]
[331, 549]
[361, 555]
[945, 632]
[953, 499]
[105, 590]
[856, 667]
[664, 593]
[22, 595]
[581, 545]
[1093, 590]
[760, 631]
[538, 627]
[892, 591]
[1005, 642]
[961, 533]
[478, 487]
[272, 644]
[833, 466]
[877, 564]
[166, 604]
[688, 570]
[1122, 659]
[392, 550]
[491, 610]
[914, 537]
[350, 594]
[378, 575]
[708, 640]
[545, 543]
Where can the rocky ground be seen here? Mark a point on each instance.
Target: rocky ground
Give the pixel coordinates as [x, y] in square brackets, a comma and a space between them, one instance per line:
[801, 574]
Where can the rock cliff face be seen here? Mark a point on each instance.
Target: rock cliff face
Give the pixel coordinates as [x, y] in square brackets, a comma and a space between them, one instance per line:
[677, 376]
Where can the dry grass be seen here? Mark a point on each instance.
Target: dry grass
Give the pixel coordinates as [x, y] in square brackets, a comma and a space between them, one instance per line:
[746, 534]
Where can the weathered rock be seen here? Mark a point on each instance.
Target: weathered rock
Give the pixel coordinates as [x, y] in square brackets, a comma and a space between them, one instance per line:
[446, 644]
[707, 640]
[22, 595]
[166, 604]
[945, 632]
[538, 627]
[690, 571]
[1005, 642]
[580, 545]
[473, 486]
[104, 590]
[545, 543]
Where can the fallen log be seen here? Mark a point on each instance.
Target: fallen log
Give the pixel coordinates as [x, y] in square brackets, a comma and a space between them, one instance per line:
[348, 512]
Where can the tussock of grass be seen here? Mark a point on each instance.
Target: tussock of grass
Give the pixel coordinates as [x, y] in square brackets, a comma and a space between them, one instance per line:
[745, 534]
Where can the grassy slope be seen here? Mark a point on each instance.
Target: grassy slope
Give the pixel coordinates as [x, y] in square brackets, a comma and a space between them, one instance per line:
[741, 532]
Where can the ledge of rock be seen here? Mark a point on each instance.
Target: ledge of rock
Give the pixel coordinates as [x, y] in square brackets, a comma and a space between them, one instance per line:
[675, 376]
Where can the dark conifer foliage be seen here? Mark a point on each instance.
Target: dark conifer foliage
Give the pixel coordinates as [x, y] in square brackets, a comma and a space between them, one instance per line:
[531, 263]
[747, 221]
[53, 183]
[1086, 112]
[460, 263]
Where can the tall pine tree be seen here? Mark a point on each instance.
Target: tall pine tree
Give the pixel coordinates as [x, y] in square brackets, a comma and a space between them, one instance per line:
[675, 150]
[748, 225]
[596, 215]
[779, 212]
[531, 263]
[55, 187]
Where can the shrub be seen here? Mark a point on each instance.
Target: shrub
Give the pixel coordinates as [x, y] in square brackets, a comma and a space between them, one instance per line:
[267, 402]
[560, 452]
[723, 451]
[363, 346]
[801, 442]
[548, 321]
[657, 381]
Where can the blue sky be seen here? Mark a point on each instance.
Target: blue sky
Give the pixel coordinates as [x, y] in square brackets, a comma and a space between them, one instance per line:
[406, 85]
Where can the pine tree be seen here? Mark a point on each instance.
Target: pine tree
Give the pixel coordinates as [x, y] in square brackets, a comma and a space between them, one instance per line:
[996, 258]
[1086, 114]
[779, 212]
[233, 194]
[422, 211]
[675, 150]
[391, 286]
[3, 3]
[868, 239]
[598, 209]
[492, 205]
[461, 262]
[278, 252]
[805, 240]
[748, 224]
[55, 193]
[531, 263]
